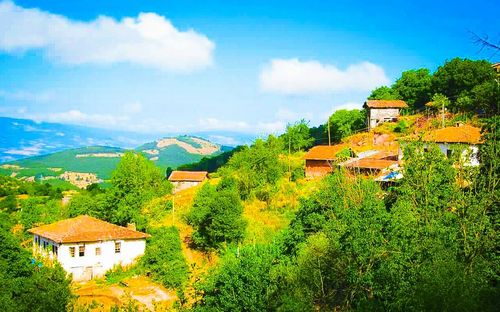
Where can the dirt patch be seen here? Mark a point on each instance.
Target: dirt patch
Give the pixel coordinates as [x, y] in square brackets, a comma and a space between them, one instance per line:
[97, 295]
[206, 148]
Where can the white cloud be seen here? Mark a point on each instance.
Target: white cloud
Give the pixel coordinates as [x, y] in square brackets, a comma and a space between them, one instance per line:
[25, 151]
[23, 95]
[292, 76]
[148, 39]
[77, 117]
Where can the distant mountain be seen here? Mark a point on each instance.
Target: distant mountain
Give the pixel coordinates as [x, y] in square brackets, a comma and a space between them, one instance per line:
[21, 138]
[86, 165]
[180, 150]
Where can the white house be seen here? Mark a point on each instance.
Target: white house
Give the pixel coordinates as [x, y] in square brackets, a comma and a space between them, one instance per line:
[379, 111]
[186, 179]
[464, 139]
[87, 247]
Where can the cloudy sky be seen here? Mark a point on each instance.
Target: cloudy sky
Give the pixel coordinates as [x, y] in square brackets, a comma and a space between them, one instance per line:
[186, 66]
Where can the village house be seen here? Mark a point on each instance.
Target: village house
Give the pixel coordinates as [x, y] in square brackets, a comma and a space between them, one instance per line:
[320, 160]
[379, 111]
[87, 247]
[373, 163]
[186, 179]
[464, 138]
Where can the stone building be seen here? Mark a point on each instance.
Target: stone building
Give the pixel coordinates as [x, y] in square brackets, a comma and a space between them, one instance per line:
[186, 179]
[379, 111]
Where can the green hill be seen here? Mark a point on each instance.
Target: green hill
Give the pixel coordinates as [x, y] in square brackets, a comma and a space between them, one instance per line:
[102, 160]
[173, 152]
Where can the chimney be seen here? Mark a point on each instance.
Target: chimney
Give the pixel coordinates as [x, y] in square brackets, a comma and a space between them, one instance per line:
[131, 226]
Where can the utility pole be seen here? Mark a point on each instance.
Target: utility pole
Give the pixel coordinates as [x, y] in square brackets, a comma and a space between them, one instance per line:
[173, 208]
[289, 153]
[329, 139]
[442, 115]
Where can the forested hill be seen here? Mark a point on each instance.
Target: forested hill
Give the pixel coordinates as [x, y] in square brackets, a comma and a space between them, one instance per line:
[86, 165]
[260, 236]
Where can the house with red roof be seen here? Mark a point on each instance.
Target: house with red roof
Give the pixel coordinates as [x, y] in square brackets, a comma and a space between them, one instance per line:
[87, 247]
[379, 111]
[465, 138]
[186, 179]
[321, 159]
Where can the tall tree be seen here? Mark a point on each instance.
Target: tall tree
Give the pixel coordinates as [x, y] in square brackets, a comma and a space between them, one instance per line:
[414, 87]
[135, 181]
[384, 93]
[297, 136]
[457, 78]
[345, 122]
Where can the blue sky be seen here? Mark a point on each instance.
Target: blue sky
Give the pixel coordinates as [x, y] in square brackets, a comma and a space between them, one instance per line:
[185, 66]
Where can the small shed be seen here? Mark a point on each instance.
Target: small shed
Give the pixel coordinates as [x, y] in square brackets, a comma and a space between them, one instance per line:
[379, 111]
[320, 159]
[186, 179]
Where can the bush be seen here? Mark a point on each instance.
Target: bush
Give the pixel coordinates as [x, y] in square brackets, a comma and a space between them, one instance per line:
[163, 260]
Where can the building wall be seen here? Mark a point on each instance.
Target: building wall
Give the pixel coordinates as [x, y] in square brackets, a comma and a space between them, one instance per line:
[380, 115]
[317, 168]
[91, 265]
[469, 153]
[179, 186]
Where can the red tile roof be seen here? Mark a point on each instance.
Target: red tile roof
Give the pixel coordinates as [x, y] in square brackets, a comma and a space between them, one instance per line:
[85, 229]
[324, 152]
[192, 176]
[463, 134]
[385, 104]
[367, 163]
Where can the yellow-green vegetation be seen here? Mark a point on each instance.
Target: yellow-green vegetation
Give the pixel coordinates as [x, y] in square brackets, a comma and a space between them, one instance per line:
[261, 237]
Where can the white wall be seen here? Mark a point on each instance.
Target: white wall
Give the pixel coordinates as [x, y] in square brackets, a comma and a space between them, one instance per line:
[92, 265]
[469, 155]
[376, 115]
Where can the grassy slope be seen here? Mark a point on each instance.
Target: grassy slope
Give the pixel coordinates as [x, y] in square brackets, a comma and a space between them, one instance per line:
[68, 162]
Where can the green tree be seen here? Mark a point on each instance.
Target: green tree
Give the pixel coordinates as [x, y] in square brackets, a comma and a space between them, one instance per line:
[26, 287]
[163, 259]
[257, 168]
[216, 216]
[414, 87]
[135, 181]
[240, 283]
[345, 122]
[457, 78]
[384, 93]
[297, 136]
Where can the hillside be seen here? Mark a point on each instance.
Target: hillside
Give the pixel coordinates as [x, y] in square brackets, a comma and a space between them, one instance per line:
[176, 151]
[94, 164]
[21, 138]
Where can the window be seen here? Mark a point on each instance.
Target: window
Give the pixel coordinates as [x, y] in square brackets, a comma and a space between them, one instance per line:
[98, 251]
[449, 152]
[36, 240]
[72, 251]
[118, 247]
[81, 251]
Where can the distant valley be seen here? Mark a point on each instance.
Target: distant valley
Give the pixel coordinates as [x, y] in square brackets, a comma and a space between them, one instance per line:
[57, 153]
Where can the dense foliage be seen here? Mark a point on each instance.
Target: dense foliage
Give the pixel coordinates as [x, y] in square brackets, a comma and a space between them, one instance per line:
[471, 86]
[27, 286]
[163, 260]
[134, 182]
[429, 243]
[217, 216]
[210, 164]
